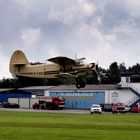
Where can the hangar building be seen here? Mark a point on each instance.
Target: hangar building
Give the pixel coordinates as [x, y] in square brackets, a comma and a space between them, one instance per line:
[126, 92]
[92, 94]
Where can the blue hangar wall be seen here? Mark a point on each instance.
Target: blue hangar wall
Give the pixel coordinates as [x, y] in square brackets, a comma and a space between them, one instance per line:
[13, 94]
[80, 100]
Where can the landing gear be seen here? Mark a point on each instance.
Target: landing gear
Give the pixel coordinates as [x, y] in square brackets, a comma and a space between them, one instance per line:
[80, 83]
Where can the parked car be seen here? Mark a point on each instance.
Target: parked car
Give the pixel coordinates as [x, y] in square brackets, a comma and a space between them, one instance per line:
[135, 109]
[10, 105]
[107, 107]
[95, 108]
[118, 108]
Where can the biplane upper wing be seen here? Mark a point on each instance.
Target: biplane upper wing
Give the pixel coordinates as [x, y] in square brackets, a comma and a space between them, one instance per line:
[62, 61]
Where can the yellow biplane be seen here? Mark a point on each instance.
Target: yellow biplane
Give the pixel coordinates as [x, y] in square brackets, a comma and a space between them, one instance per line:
[60, 67]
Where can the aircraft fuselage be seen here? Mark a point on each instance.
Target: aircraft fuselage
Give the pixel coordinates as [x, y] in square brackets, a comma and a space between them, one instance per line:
[49, 70]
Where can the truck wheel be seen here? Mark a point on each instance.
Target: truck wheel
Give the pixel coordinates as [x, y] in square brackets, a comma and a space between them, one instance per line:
[49, 106]
[35, 107]
[42, 107]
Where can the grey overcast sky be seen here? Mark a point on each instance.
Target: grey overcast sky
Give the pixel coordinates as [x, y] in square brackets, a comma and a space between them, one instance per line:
[103, 31]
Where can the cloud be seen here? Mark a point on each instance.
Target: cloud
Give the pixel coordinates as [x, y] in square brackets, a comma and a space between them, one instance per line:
[30, 36]
[101, 30]
[73, 14]
[133, 4]
[87, 7]
[4, 72]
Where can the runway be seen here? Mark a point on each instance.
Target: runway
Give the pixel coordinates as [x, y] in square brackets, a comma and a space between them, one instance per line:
[64, 111]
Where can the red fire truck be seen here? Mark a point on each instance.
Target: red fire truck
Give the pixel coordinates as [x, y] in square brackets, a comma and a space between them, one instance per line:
[50, 103]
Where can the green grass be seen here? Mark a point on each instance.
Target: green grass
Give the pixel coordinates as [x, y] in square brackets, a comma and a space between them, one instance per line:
[51, 126]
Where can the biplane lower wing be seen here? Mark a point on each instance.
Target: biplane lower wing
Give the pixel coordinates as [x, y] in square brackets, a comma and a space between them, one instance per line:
[65, 75]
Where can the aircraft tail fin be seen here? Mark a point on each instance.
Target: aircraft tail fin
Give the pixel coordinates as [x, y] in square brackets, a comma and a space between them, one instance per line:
[18, 59]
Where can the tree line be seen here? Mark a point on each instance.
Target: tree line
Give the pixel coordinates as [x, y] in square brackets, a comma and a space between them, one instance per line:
[107, 76]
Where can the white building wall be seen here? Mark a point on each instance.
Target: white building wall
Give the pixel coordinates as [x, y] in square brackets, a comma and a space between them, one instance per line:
[13, 100]
[24, 102]
[125, 80]
[32, 101]
[46, 93]
[107, 97]
[124, 96]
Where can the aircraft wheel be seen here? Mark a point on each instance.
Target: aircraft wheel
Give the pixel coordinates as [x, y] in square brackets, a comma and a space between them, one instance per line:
[83, 85]
[80, 83]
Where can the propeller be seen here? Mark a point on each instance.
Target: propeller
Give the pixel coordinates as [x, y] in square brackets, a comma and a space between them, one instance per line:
[95, 70]
[98, 73]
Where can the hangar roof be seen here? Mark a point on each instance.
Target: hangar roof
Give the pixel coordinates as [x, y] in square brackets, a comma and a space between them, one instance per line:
[71, 87]
[5, 89]
[36, 88]
[66, 87]
[88, 87]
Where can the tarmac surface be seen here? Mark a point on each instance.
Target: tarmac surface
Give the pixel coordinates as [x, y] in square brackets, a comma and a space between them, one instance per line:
[64, 111]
